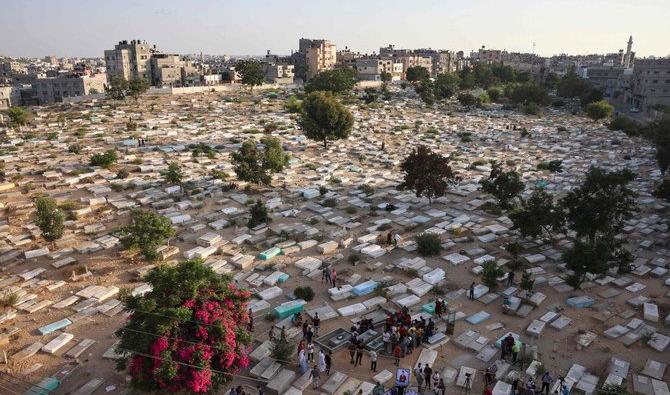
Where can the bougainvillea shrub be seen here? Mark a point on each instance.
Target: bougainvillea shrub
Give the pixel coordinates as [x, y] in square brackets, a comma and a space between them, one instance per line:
[187, 334]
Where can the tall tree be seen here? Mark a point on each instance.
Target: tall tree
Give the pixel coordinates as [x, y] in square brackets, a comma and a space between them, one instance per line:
[188, 334]
[538, 215]
[258, 215]
[601, 204]
[137, 86]
[504, 185]
[385, 76]
[659, 133]
[324, 118]
[427, 173]
[275, 159]
[147, 231]
[446, 85]
[173, 174]
[252, 73]
[337, 81]
[467, 99]
[417, 73]
[117, 88]
[426, 90]
[18, 116]
[49, 219]
[248, 164]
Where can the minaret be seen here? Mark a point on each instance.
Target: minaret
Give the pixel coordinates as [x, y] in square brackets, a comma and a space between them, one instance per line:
[627, 57]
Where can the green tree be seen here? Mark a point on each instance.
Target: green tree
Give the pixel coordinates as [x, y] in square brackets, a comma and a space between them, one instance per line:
[467, 99]
[503, 185]
[324, 118]
[601, 205]
[173, 174]
[490, 274]
[18, 116]
[625, 124]
[613, 389]
[293, 105]
[538, 215]
[494, 94]
[275, 159]
[599, 110]
[188, 334]
[147, 231]
[572, 85]
[662, 190]
[417, 73]
[282, 349]
[587, 257]
[514, 249]
[248, 164]
[386, 77]
[659, 133]
[259, 215]
[117, 89]
[251, 72]
[446, 85]
[426, 90]
[370, 95]
[137, 86]
[428, 244]
[105, 159]
[554, 166]
[337, 81]
[49, 219]
[527, 282]
[427, 173]
[528, 92]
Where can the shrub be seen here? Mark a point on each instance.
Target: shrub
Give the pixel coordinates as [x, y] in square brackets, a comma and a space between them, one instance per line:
[662, 191]
[532, 109]
[74, 148]
[323, 190]
[306, 293]
[259, 215]
[428, 244]
[353, 258]
[9, 299]
[351, 210]
[330, 202]
[104, 160]
[490, 274]
[599, 109]
[625, 124]
[527, 282]
[122, 173]
[367, 189]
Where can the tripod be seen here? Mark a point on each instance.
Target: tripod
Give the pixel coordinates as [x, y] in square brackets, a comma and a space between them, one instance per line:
[466, 386]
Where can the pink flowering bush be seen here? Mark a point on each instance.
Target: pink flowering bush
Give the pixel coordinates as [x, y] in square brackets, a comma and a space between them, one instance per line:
[187, 334]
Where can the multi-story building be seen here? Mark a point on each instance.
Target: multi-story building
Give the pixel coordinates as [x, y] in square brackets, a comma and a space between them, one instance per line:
[130, 60]
[604, 78]
[54, 89]
[9, 96]
[488, 56]
[371, 69]
[319, 55]
[171, 70]
[650, 84]
[278, 69]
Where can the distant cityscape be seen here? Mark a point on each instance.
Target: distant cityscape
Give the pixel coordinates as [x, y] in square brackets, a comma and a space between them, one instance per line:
[643, 84]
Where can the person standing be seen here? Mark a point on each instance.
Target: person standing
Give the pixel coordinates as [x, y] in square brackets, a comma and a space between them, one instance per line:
[315, 377]
[471, 294]
[359, 355]
[328, 363]
[396, 354]
[427, 375]
[438, 307]
[510, 278]
[260, 390]
[436, 380]
[386, 337]
[546, 382]
[441, 387]
[310, 352]
[322, 361]
[352, 352]
[333, 277]
[418, 373]
[373, 360]
[316, 321]
[250, 325]
[515, 350]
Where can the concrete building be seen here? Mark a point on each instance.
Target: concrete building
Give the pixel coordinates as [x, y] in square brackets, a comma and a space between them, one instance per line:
[54, 89]
[371, 69]
[130, 60]
[279, 73]
[9, 96]
[320, 55]
[650, 84]
[604, 78]
[628, 57]
[488, 56]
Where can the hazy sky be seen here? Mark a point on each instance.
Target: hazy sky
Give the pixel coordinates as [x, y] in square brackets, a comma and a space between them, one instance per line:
[88, 27]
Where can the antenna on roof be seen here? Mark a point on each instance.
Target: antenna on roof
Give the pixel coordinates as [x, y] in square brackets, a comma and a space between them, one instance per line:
[533, 47]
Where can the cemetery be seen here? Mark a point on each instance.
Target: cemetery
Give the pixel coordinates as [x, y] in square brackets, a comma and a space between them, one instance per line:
[337, 220]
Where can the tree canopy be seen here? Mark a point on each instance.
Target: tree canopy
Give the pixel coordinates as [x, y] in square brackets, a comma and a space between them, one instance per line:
[259, 214]
[147, 231]
[117, 88]
[49, 219]
[137, 86]
[104, 159]
[538, 215]
[427, 173]
[324, 118]
[173, 174]
[188, 334]
[254, 165]
[336, 81]
[446, 85]
[599, 110]
[503, 185]
[467, 99]
[659, 133]
[417, 73]
[18, 116]
[251, 72]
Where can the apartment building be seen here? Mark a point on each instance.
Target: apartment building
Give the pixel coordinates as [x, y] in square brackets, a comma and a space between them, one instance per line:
[9, 96]
[53, 89]
[371, 69]
[319, 55]
[650, 84]
[130, 60]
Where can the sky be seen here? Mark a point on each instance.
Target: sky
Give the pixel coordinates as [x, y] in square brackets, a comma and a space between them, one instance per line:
[85, 28]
